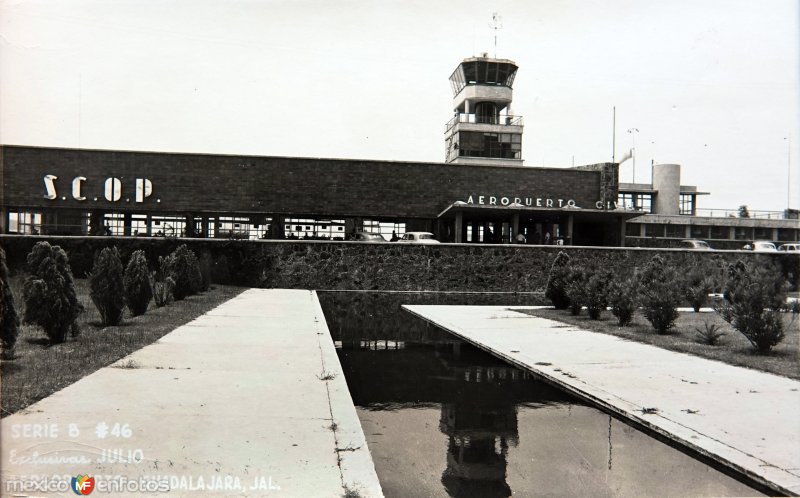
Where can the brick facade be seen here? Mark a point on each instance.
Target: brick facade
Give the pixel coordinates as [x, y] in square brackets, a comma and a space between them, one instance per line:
[204, 183]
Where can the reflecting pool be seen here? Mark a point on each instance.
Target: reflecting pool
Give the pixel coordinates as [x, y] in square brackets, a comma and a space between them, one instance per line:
[443, 418]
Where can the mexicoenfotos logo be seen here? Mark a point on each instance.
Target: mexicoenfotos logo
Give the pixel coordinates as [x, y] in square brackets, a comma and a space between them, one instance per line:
[82, 484]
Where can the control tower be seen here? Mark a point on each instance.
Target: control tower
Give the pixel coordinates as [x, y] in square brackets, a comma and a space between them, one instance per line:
[483, 130]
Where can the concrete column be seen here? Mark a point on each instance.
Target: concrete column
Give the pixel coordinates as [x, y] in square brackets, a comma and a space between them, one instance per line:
[48, 223]
[3, 220]
[732, 233]
[349, 227]
[149, 225]
[774, 234]
[459, 228]
[570, 222]
[276, 230]
[84, 223]
[216, 226]
[622, 233]
[126, 224]
[514, 226]
[687, 234]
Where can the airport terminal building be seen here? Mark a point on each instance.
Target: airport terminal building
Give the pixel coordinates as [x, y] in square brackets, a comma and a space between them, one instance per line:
[69, 191]
[482, 193]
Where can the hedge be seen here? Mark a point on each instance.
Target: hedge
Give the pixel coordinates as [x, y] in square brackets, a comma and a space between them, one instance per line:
[391, 266]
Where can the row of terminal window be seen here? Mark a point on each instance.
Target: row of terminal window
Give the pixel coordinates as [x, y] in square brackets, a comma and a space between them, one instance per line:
[245, 227]
[709, 232]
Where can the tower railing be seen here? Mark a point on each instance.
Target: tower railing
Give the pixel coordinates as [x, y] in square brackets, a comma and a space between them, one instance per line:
[502, 120]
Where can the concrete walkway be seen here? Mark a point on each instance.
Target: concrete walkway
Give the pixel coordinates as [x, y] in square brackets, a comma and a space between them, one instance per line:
[745, 419]
[247, 400]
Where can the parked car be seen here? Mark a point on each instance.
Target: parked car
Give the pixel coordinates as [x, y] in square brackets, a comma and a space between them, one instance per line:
[367, 237]
[791, 247]
[698, 245]
[760, 246]
[418, 238]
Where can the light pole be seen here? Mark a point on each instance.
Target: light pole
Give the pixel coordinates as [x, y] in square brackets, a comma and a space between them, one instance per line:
[788, 174]
[633, 132]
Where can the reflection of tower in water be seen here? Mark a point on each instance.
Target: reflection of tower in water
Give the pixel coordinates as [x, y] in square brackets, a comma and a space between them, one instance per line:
[480, 431]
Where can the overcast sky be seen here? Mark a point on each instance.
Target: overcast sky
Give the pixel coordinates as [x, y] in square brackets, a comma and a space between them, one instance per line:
[710, 84]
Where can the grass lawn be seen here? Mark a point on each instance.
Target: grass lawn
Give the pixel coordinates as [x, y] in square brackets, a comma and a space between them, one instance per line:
[733, 347]
[40, 369]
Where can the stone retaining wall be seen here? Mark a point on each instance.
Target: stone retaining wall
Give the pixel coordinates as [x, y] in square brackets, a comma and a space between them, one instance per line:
[391, 266]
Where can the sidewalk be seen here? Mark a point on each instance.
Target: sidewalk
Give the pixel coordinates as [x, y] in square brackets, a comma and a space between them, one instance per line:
[745, 419]
[247, 400]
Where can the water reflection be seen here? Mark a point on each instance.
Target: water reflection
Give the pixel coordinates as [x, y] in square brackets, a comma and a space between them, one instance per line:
[432, 405]
[374, 319]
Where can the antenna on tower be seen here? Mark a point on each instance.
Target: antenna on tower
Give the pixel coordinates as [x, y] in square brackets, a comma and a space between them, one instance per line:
[496, 24]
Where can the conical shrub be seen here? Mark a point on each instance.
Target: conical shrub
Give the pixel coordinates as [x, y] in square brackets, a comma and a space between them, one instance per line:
[49, 292]
[183, 267]
[107, 289]
[138, 290]
[660, 294]
[9, 320]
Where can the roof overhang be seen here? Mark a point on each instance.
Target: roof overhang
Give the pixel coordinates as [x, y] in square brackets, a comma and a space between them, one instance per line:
[483, 210]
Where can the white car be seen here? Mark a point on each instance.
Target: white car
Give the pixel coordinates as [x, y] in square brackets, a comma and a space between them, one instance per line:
[418, 238]
[697, 245]
[791, 247]
[760, 246]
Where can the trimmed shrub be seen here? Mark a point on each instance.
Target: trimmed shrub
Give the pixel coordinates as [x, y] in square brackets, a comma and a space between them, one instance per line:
[622, 296]
[206, 264]
[184, 269]
[697, 286]
[753, 298]
[556, 287]
[162, 291]
[577, 280]
[49, 293]
[596, 293]
[660, 294]
[9, 320]
[107, 289]
[138, 290]
[195, 273]
[163, 284]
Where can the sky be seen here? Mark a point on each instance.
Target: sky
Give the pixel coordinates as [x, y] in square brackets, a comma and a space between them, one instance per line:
[712, 85]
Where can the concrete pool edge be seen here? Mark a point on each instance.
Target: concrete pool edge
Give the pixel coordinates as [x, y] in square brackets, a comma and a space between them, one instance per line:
[355, 460]
[507, 327]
